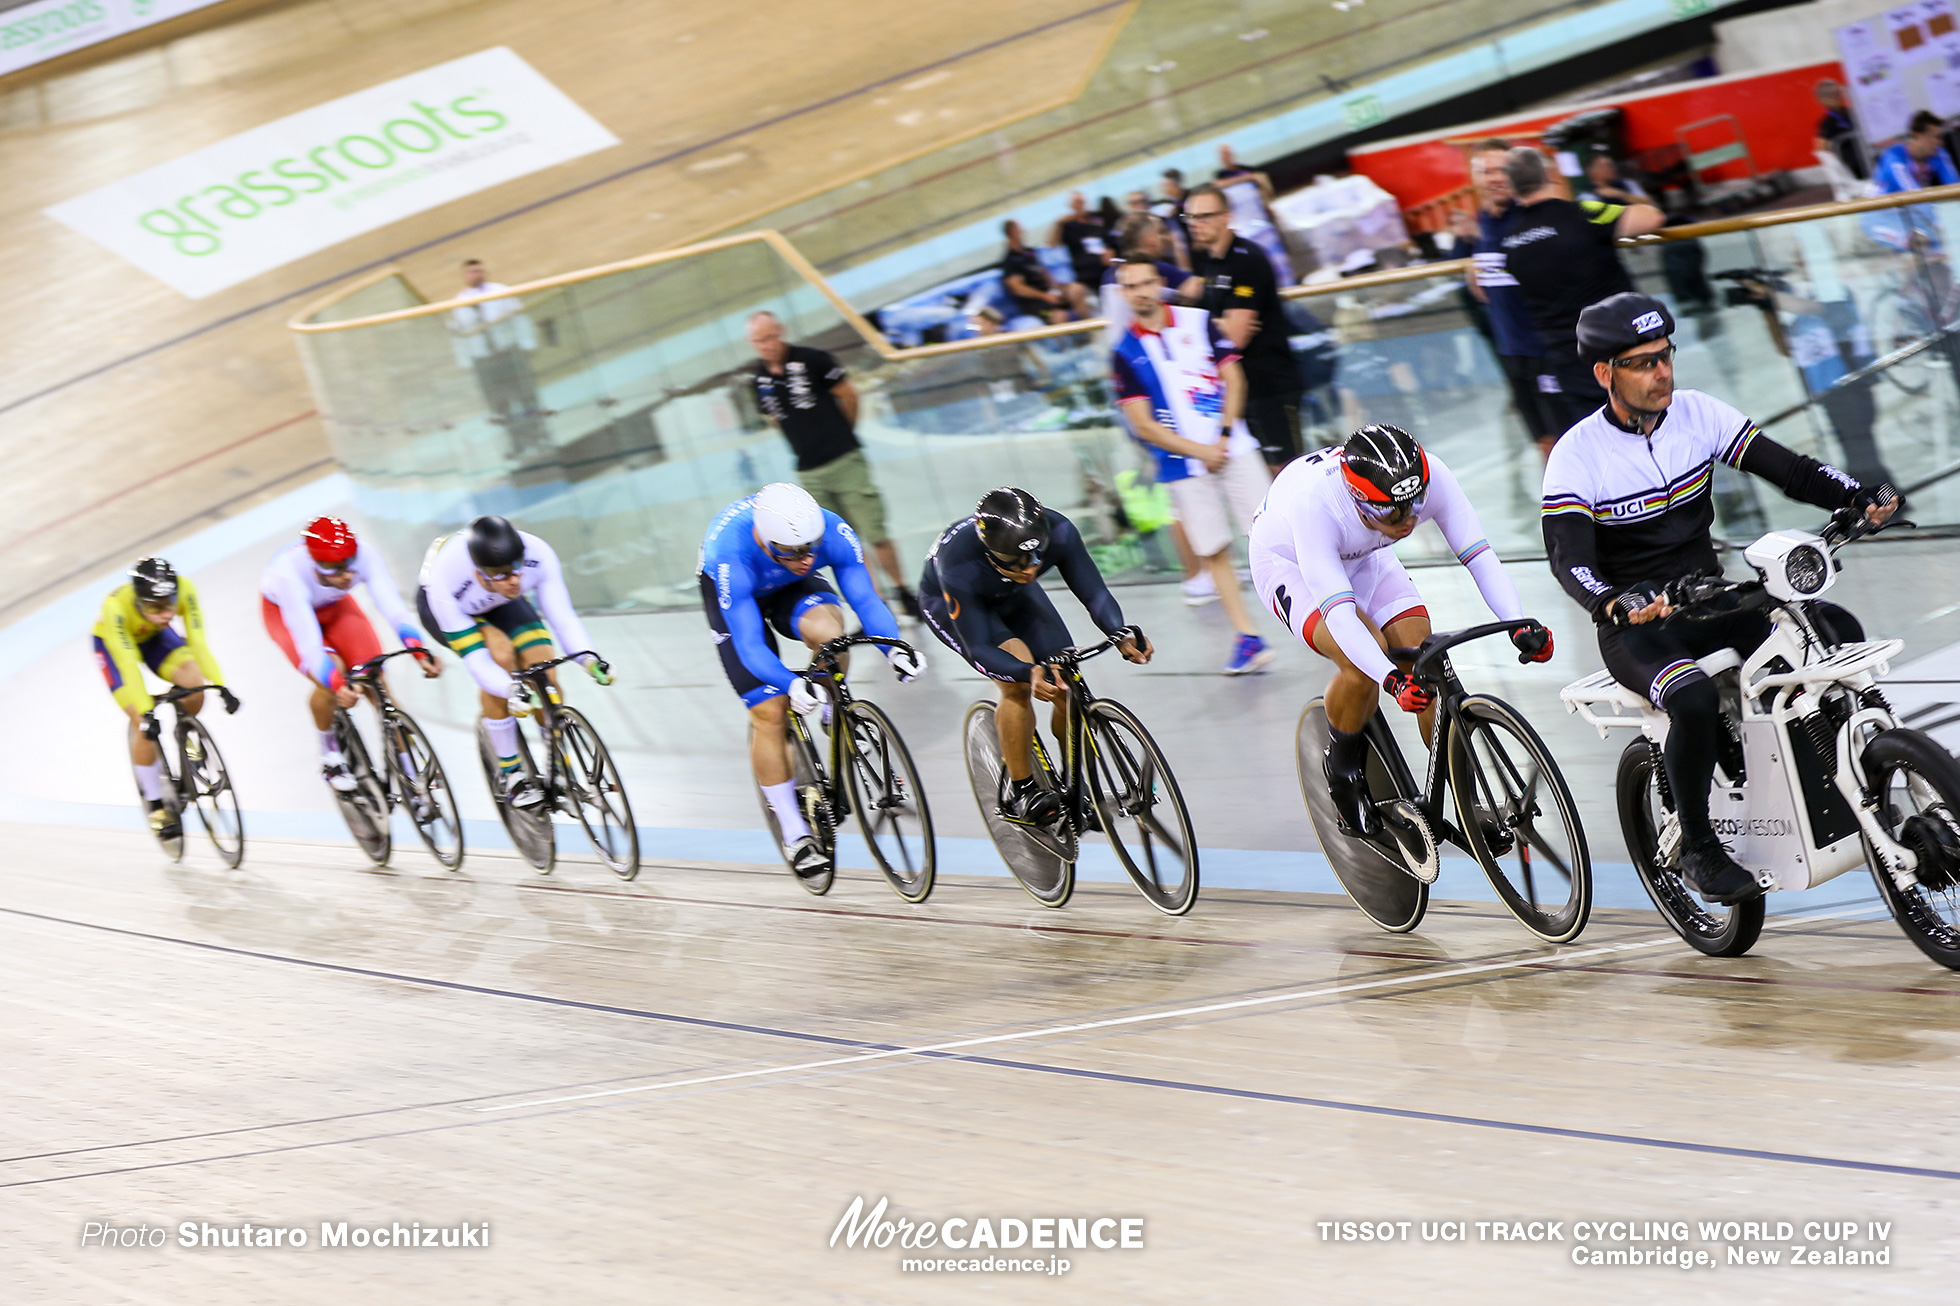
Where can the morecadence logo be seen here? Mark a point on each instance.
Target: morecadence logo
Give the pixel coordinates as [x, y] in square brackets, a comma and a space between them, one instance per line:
[223, 214]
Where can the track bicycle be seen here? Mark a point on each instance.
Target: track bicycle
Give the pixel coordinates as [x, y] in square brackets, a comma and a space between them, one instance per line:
[410, 775]
[870, 773]
[577, 778]
[200, 779]
[1501, 777]
[1113, 781]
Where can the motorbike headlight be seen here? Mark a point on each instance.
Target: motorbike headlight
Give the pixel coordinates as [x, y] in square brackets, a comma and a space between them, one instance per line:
[1807, 569]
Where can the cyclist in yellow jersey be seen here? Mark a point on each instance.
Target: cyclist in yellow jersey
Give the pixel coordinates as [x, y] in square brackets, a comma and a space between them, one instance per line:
[135, 632]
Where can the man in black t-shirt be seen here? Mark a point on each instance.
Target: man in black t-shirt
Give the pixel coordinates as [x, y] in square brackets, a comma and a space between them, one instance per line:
[1082, 233]
[809, 397]
[1564, 257]
[1030, 287]
[1242, 295]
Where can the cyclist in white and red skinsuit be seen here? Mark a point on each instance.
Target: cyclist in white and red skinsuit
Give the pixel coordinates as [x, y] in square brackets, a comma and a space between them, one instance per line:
[309, 609]
[1322, 561]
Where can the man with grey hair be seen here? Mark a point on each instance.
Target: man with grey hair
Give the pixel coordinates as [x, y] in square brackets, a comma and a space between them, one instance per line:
[1563, 257]
[808, 396]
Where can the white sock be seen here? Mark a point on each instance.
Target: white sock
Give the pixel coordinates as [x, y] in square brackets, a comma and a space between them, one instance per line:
[782, 801]
[149, 781]
[329, 742]
[503, 736]
[408, 766]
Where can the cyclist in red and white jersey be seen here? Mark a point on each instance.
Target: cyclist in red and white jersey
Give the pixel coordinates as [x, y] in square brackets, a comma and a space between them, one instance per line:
[310, 612]
[1322, 561]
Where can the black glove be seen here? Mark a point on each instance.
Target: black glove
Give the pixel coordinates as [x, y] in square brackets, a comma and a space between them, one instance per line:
[1533, 643]
[231, 700]
[1872, 496]
[1629, 601]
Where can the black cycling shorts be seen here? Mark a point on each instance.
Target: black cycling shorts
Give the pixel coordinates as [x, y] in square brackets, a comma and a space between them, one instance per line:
[780, 610]
[515, 617]
[1028, 615]
[1658, 658]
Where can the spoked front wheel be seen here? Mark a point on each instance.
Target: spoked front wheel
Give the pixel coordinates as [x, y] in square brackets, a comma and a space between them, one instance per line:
[1141, 809]
[890, 801]
[1717, 931]
[1918, 788]
[815, 807]
[365, 807]
[529, 830]
[598, 795]
[431, 803]
[1519, 819]
[206, 786]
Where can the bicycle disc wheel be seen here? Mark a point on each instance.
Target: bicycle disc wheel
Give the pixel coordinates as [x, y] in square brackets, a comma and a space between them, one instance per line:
[890, 801]
[1519, 818]
[1141, 808]
[816, 810]
[1048, 879]
[206, 785]
[1715, 930]
[425, 790]
[530, 832]
[598, 794]
[1918, 788]
[1378, 884]
[365, 807]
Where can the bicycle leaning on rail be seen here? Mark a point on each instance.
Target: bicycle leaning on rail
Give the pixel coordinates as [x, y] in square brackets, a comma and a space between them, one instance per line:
[577, 778]
[410, 774]
[1501, 776]
[200, 779]
[1113, 781]
[870, 773]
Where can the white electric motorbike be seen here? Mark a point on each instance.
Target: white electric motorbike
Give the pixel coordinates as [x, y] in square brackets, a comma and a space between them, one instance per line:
[1817, 777]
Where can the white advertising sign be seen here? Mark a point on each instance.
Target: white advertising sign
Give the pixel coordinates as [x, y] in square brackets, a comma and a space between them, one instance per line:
[36, 32]
[223, 214]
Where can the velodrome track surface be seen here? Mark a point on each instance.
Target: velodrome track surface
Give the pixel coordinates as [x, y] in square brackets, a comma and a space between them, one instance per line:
[681, 1083]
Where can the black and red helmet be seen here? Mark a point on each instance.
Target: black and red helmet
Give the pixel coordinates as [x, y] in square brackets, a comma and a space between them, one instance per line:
[1385, 470]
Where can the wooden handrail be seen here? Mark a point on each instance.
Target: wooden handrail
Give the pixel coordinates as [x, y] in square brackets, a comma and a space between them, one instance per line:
[891, 353]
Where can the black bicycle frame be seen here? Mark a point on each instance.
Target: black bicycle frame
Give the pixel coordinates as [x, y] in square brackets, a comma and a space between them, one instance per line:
[1069, 662]
[1430, 666]
[825, 661]
[547, 696]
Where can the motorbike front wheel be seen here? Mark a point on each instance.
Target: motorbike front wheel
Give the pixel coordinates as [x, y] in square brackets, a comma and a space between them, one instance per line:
[1917, 784]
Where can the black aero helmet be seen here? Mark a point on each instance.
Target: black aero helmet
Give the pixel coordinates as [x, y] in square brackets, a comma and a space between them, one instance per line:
[1385, 470]
[154, 580]
[1619, 322]
[1013, 526]
[495, 544]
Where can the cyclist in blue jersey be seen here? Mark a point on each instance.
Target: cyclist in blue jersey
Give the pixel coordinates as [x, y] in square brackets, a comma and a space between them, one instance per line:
[759, 566]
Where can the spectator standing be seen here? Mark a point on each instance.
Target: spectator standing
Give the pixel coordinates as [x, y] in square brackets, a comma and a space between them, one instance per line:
[1144, 237]
[1250, 193]
[1837, 130]
[493, 336]
[1563, 257]
[1242, 296]
[1181, 389]
[1030, 287]
[1517, 344]
[809, 397]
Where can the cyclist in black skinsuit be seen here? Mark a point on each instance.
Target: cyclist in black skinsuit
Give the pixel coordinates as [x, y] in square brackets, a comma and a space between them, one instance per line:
[980, 599]
[1627, 510]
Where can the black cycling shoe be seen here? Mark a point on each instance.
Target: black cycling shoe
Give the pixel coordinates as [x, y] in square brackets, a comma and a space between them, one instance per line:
[163, 822]
[1354, 806]
[1707, 868]
[1030, 806]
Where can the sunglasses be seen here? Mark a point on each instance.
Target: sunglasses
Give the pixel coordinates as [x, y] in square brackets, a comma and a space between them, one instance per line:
[326, 569]
[1646, 362]
[156, 609]
[1014, 561]
[1391, 514]
[501, 573]
[787, 556]
[1193, 215]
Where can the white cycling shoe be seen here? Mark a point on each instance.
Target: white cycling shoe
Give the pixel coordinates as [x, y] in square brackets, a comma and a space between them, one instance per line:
[333, 769]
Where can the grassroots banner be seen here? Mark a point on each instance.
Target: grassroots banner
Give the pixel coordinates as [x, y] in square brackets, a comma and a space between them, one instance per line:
[223, 214]
[32, 33]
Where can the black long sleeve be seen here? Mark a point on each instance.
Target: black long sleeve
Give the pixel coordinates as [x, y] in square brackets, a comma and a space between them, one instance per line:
[1799, 476]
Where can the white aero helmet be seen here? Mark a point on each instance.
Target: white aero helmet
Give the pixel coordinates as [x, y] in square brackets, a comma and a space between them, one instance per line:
[787, 517]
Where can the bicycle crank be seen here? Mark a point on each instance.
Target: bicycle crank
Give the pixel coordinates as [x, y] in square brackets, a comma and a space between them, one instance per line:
[1404, 828]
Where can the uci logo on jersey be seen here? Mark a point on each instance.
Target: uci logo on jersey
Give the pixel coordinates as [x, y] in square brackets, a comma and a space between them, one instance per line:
[1647, 322]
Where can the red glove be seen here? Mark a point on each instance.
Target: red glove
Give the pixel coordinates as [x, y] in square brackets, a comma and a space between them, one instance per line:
[1407, 694]
[1527, 639]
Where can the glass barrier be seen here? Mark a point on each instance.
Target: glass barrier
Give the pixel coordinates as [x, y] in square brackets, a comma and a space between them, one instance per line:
[611, 413]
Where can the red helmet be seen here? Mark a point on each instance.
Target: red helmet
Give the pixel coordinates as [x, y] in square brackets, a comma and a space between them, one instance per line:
[329, 539]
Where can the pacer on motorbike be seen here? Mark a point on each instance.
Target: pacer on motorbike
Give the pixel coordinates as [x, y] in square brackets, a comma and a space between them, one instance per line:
[1627, 510]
